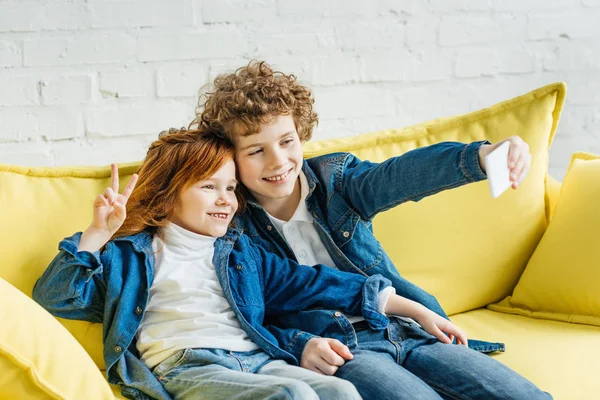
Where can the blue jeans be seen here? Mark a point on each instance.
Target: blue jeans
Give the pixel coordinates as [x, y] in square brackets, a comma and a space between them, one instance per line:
[405, 362]
[222, 374]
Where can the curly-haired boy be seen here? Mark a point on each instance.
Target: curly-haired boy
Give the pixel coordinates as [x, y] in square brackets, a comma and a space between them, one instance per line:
[319, 210]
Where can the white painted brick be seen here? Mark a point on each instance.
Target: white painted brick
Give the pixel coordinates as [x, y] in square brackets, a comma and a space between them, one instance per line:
[481, 29]
[583, 94]
[371, 35]
[102, 151]
[385, 66]
[66, 90]
[78, 50]
[191, 46]
[10, 54]
[13, 123]
[334, 70]
[520, 5]
[126, 83]
[225, 66]
[34, 154]
[571, 25]
[403, 8]
[577, 120]
[448, 6]
[357, 126]
[327, 8]
[48, 123]
[293, 38]
[422, 31]
[515, 61]
[299, 66]
[35, 16]
[353, 101]
[562, 148]
[149, 119]
[236, 10]
[180, 80]
[418, 104]
[57, 123]
[573, 56]
[429, 64]
[17, 91]
[141, 13]
[476, 63]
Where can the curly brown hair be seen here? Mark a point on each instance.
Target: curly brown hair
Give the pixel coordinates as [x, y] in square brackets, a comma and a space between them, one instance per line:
[174, 162]
[241, 102]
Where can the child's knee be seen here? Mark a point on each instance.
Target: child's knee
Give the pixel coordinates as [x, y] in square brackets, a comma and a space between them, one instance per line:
[296, 390]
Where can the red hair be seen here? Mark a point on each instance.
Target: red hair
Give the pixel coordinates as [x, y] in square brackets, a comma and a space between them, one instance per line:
[177, 160]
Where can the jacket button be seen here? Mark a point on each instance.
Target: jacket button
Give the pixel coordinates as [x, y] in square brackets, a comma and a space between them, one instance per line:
[269, 228]
[346, 234]
[238, 267]
[337, 314]
[138, 310]
[118, 349]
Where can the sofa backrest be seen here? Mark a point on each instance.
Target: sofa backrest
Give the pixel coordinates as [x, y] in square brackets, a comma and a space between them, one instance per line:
[466, 248]
[461, 245]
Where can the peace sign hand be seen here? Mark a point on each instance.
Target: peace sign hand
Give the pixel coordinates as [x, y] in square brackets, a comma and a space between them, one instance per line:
[109, 213]
[109, 207]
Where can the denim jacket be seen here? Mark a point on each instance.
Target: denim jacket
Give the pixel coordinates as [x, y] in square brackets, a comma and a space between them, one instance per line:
[344, 196]
[112, 287]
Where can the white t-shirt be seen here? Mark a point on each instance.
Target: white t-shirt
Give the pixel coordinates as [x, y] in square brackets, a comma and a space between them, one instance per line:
[187, 308]
[302, 236]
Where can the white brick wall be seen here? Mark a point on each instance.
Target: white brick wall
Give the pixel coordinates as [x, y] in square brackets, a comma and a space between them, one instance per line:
[91, 82]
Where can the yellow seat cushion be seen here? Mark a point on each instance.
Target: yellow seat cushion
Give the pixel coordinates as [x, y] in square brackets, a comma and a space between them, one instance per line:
[461, 245]
[39, 358]
[559, 357]
[562, 278]
[40, 207]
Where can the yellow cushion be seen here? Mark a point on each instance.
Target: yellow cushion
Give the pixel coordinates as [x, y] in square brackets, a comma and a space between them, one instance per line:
[39, 359]
[559, 357]
[40, 207]
[562, 278]
[461, 245]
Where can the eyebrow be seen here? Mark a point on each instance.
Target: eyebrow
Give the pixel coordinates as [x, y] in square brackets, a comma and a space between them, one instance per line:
[260, 144]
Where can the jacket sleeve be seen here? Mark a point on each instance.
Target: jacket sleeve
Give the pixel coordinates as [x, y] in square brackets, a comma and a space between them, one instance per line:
[73, 285]
[375, 187]
[290, 287]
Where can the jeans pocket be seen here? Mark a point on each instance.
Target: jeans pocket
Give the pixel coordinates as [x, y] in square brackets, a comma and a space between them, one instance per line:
[170, 363]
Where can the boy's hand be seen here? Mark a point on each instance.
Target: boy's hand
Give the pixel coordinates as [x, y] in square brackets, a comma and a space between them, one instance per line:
[519, 158]
[109, 213]
[324, 355]
[439, 326]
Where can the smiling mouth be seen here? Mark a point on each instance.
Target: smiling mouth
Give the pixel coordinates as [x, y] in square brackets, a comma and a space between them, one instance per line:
[219, 215]
[278, 177]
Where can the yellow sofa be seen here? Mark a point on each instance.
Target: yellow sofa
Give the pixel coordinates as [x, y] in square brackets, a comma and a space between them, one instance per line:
[466, 248]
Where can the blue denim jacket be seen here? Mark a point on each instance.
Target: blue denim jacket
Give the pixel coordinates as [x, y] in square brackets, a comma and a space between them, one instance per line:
[112, 287]
[344, 195]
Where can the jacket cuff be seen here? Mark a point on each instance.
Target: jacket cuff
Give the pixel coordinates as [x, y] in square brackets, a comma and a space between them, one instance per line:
[469, 162]
[371, 289]
[85, 258]
[298, 343]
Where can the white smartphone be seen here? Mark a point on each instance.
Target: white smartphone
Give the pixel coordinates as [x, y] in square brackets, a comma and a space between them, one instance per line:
[496, 168]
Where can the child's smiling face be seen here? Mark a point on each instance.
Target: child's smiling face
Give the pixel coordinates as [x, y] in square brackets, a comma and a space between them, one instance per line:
[207, 207]
[269, 162]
